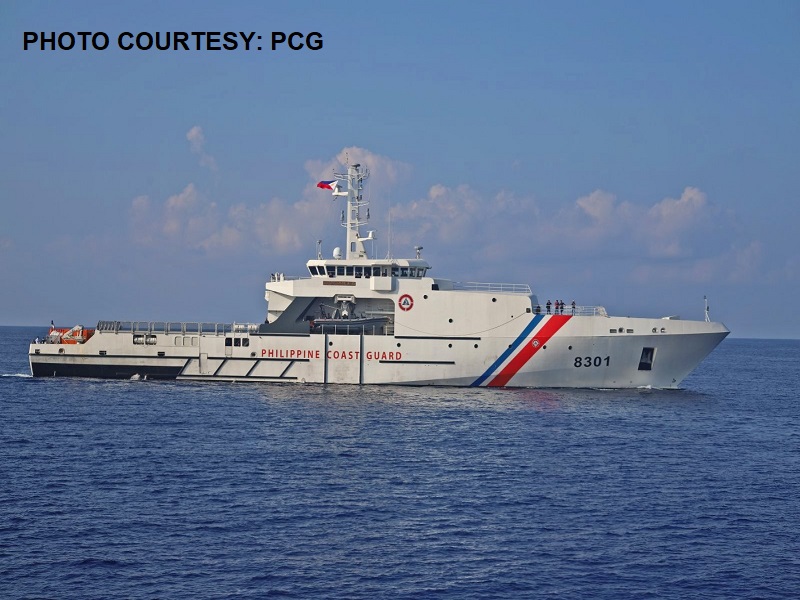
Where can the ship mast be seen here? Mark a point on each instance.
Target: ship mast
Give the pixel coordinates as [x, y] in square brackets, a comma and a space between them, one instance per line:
[357, 213]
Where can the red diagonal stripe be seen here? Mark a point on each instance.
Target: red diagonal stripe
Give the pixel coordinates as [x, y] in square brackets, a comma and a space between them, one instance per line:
[548, 330]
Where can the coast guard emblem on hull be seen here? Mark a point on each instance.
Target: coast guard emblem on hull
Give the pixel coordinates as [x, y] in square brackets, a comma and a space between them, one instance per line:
[405, 302]
[535, 343]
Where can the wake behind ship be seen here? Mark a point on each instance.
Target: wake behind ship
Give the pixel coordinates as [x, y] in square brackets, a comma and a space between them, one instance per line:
[360, 320]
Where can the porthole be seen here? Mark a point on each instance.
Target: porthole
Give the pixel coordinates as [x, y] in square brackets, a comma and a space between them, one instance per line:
[544, 347]
[570, 348]
[398, 344]
[476, 345]
[450, 320]
[61, 351]
[449, 345]
[494, 299]
[425, 297]
[252, 354]
[330, 343]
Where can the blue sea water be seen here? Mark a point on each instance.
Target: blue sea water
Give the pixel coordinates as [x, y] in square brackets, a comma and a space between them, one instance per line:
[140, 489]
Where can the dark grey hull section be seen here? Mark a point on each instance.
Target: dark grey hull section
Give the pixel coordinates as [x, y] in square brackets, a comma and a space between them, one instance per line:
[104, 371]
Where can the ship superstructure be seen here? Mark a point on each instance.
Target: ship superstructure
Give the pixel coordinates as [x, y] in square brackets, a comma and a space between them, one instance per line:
[357, 319]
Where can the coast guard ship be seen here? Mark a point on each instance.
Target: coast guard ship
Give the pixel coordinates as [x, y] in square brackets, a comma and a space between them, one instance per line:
[360, 320]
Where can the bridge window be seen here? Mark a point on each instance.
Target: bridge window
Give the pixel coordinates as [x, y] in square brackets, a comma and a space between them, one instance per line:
[340, 270]
[359, 271]
[331, 271]
[395, 271]
[404, 272]
[349, 271]
[312, 270]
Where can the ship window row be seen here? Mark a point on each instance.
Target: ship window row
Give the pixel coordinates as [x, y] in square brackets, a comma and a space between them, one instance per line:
[366, 272]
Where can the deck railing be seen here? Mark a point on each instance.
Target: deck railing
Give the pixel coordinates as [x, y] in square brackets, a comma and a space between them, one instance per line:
[346, 329]
[578, 311]
[509, 288]
[174, 327]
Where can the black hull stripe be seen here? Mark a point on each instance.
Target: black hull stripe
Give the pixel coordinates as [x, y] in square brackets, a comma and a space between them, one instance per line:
[418, 362]
[104, 371]
[435, 337]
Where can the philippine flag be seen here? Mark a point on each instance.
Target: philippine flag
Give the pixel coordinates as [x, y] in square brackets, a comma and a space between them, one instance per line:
[327, 185]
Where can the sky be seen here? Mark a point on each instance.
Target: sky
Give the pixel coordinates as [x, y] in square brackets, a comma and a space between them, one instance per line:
[638, 156]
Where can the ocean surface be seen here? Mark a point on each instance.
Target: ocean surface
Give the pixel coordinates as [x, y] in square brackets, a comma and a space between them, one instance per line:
[143, 489]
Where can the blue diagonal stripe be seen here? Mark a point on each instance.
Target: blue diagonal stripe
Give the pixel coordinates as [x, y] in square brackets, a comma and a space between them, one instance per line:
[522, 336]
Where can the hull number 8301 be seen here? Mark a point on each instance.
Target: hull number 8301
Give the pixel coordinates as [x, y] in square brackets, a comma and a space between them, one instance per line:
[592, 361]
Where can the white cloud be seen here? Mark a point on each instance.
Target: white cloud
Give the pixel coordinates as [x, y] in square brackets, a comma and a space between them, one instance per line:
[197, 143]
[185, 219]
[449, 214]
[504, 232]
[736, 265]
[668, 222]
[196, 139]
[385, 172]
[670, 239]
[276, 226]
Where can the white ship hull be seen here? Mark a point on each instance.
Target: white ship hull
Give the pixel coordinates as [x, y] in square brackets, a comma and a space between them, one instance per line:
[552, 351]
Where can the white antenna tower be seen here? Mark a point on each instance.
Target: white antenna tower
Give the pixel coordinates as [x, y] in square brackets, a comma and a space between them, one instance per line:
[355, 214]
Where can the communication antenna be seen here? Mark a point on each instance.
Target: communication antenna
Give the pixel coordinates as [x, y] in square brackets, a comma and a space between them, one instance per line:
[705, 299]
[319, 249]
